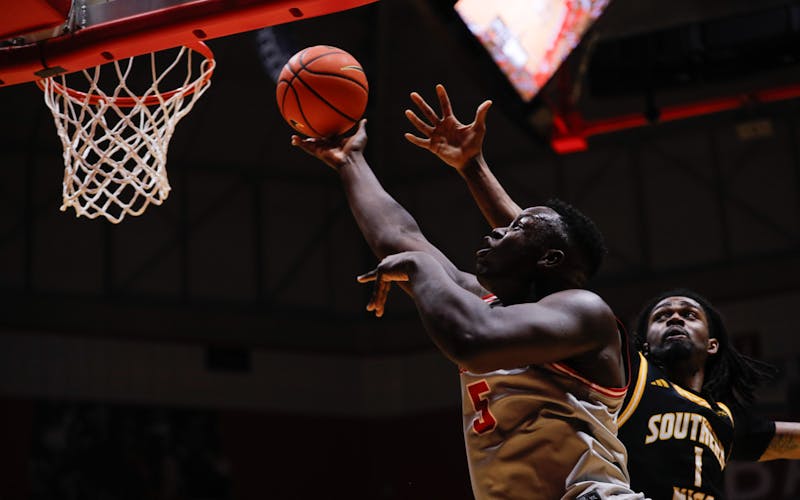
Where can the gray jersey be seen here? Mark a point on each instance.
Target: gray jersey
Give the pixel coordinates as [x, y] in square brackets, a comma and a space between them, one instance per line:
[543, 432]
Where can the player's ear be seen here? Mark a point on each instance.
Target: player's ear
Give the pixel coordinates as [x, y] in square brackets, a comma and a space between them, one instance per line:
[645, 349]
[713, 346]
[551, 258]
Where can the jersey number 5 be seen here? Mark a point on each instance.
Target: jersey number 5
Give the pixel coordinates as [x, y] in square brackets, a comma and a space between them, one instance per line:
[486, 422]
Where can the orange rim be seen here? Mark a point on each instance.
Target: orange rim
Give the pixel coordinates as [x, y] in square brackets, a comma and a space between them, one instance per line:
[129, 102]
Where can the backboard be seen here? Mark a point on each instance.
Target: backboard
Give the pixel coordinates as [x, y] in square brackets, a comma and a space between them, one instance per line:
[42, 38]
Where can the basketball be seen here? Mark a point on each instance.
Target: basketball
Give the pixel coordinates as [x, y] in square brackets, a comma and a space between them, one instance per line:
[322, 91]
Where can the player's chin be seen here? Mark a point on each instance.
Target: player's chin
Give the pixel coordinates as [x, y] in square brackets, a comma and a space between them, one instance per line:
[672, 350]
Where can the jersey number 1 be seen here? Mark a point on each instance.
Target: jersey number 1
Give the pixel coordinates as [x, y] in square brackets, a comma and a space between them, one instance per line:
[486, 422]
[698, 466]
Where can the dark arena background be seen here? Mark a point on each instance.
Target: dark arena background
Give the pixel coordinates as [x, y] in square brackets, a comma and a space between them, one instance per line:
[218, 347]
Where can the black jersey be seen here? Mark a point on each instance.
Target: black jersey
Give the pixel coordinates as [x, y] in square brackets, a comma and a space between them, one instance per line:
[679, 442]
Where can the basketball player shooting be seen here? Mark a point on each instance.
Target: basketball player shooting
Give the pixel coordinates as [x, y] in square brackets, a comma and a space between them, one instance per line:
[534, 428]
[689, 407]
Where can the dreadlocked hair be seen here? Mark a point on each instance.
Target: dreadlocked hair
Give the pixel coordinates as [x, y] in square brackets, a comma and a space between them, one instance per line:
[582, 233]
[730, 376]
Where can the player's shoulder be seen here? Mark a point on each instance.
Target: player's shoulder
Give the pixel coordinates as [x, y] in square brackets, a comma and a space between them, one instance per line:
[587, 307]
[581, 301]
[577, 296]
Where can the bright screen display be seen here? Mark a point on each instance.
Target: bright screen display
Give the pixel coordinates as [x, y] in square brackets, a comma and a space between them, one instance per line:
[528, 39]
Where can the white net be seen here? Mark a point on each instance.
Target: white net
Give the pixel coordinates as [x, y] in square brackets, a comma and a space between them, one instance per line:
[115, 143]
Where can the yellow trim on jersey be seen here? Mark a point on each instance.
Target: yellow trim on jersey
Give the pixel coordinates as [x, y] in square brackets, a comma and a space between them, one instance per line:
[727, 411]
[638, 390]
[691, 396]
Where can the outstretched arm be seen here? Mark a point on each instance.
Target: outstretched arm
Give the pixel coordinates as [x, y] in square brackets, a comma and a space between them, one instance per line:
[481, 338]
[387, 227]
[461, 147]
[785, 443]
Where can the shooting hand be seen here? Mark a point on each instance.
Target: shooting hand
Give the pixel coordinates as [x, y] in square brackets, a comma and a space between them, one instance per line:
[334, 151]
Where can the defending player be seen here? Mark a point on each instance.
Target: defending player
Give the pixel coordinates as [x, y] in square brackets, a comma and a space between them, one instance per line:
[691, 402]
[694, 391]
[541, 370]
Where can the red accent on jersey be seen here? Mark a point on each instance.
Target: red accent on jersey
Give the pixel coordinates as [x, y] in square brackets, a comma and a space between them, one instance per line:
[614, 392]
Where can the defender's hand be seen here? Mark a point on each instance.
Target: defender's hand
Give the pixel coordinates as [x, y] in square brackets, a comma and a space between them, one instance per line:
[446, 137]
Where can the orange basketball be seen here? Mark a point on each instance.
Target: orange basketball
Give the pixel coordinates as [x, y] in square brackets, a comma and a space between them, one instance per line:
[322, 91]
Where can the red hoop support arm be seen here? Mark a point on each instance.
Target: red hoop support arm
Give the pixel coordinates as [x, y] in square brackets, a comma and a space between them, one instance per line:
[183, 24]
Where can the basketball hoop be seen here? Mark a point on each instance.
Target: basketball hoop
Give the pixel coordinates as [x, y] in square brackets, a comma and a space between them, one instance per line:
[115, 143]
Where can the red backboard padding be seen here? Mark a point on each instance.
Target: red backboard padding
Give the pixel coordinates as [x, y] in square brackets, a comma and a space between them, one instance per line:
[28, 16]
[160, 29]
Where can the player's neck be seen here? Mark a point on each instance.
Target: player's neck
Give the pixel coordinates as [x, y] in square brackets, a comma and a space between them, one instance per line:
[686, 375]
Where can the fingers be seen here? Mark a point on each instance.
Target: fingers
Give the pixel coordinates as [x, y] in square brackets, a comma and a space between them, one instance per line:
[308, 145]
[367, 277]
[374, 307]
[357, 141]
[384, 275]
[444, 100]
[420, 125]
[297, 141]
[418, 141]
[423, 106]
[480, 114]
[379, 295]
